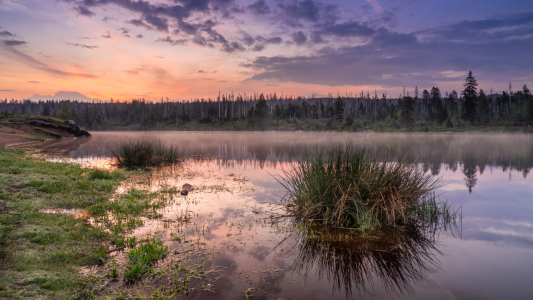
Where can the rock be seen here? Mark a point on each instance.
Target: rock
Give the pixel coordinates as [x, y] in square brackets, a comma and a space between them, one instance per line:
[75, 129]
[185, 189]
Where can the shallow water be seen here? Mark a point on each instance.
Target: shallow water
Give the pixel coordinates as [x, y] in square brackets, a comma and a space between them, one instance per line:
[489, 256]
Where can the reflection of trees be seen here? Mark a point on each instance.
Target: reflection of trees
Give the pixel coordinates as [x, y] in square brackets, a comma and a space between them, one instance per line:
[470, 171]
[352, 261]
[433, 151]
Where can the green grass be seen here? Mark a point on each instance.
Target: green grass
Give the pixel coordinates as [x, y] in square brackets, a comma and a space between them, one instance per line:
[142, 154]
[127, 210]
[141, 259]
[41, 253]
[103, 174]
[351, 187]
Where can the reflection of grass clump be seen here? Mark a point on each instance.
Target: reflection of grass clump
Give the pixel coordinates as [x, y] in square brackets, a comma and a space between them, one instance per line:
[142, 258]
[354, 261]
[351, 187]
[145, 154]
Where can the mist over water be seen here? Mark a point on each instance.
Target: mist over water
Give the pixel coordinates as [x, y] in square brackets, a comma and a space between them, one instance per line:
[486, 175]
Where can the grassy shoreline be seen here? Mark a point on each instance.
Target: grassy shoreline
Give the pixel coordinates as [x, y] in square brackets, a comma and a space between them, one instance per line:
[42, 253]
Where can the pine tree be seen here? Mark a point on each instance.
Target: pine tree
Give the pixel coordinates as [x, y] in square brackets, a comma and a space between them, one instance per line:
[46, 110]
[261, 108]
[339, 108]
[469, 112]
[65, 112]
[483, 108]
[407, 111]
[528, 102]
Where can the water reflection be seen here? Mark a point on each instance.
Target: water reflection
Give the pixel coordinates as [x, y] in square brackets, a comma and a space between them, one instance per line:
[354, 261]
[470, 171]
[470, 153]
[491, 259]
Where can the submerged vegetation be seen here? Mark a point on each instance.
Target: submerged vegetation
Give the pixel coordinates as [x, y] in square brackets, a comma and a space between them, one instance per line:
[142, 258]
[142, 154]
[352, 187]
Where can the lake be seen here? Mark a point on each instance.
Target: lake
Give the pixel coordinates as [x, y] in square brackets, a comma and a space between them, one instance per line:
[488, 255]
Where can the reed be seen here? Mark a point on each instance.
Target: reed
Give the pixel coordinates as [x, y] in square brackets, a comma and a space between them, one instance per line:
[352, 187]
[143, 154]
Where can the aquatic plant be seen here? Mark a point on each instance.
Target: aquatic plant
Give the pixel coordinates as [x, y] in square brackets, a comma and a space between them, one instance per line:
[142, 258]
[142, 154]
[353, 187]
[103, 174]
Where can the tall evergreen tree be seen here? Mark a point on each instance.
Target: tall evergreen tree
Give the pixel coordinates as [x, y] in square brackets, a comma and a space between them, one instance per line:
[528, 102]
[65, 112]
[407, 111]
[46, 110]
[425, 104]
[339, 108]
[469, 111]
[483, 108]
[261, 108]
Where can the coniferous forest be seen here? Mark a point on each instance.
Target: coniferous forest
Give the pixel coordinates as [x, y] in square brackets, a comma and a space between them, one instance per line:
[421, 111]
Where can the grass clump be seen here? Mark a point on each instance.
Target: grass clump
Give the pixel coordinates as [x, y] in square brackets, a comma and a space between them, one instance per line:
[142, 258]
[351, 187]
[103, 175]
[142, 154]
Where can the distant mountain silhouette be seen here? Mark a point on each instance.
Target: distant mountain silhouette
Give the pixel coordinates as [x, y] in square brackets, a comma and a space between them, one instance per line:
[62, 95]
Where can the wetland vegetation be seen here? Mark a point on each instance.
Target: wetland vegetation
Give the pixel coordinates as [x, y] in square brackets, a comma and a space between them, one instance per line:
[42, 252]
[143, 153]
[351, 187]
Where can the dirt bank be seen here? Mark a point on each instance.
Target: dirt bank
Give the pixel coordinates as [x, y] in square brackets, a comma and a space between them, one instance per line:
[38, 132]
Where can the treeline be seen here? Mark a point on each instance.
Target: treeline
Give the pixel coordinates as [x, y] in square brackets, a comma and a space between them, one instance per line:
[259, 111]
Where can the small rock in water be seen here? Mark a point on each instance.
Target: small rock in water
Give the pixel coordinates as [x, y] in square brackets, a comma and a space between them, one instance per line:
[185, 189]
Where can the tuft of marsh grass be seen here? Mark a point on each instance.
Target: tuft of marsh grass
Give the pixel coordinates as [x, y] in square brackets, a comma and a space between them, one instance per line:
[142, 258]
[354, 188]
[142, 154]
[103, 175]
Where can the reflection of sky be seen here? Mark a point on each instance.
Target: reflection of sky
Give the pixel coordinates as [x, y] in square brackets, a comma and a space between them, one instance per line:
[498, 210]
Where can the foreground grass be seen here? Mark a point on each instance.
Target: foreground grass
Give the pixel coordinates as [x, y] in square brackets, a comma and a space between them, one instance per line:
[351, 187]
[41, 253]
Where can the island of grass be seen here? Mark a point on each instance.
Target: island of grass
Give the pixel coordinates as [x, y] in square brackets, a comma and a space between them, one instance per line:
[145, 154]
[350, 187]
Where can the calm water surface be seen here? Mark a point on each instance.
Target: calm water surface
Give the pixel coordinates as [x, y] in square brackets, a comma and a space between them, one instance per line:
[489, 256]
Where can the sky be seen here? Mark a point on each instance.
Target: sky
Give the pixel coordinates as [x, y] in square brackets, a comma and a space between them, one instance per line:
[183, 49]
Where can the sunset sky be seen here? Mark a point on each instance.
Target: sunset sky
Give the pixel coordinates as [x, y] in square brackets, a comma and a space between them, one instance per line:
[184, 49]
